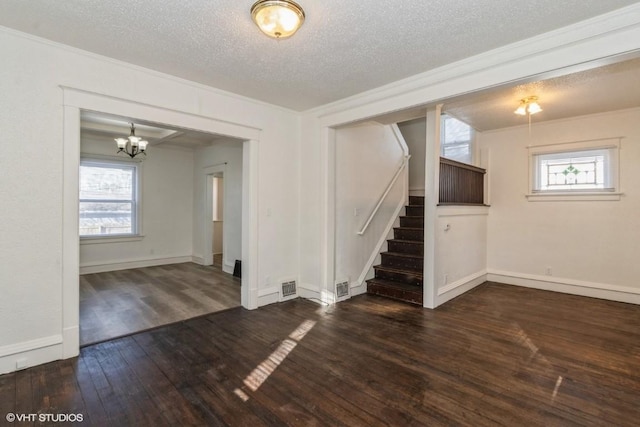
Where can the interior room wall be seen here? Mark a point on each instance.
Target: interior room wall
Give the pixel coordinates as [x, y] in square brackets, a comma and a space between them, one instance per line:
[166, 203]
[32, 78]
[461, 250]
[229, 152]
[415, 134]
[367, 157]
[585, 247]
[218, 214]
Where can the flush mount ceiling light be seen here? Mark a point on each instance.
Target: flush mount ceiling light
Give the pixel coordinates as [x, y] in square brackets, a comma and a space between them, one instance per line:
[132, 145]
[529, 106]
[277, 18]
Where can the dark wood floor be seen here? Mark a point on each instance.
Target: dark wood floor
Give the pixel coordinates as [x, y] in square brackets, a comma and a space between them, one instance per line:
[119, 303]
[499, 355]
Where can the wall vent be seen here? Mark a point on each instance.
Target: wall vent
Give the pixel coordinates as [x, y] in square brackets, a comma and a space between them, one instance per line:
[342, 289]
[288, 289]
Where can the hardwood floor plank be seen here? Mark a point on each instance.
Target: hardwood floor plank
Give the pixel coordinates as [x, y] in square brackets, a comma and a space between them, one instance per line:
[119, 303]
[498, 355]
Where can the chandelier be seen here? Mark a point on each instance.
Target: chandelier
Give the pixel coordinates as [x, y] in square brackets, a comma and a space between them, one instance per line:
[132, 145]
[277, 18]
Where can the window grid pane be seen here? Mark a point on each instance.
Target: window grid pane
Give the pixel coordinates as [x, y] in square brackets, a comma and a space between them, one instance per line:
[107, 199]
[455, 142]
[573, 172]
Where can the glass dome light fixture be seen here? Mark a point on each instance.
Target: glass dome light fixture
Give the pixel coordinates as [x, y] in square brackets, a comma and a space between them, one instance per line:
[132, 145]
[529, 106]
[279, 19]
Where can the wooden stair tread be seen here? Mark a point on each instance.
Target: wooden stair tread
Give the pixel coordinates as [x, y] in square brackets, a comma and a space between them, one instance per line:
[399, 270]
[403, 254]
[413, 242]
[400, 275]
[395, 284]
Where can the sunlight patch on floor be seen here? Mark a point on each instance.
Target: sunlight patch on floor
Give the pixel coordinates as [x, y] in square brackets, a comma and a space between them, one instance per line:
[259, 375]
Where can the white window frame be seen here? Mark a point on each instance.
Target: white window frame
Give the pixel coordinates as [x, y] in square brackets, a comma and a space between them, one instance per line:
[136, 220]
[470, 142]
[608, 148]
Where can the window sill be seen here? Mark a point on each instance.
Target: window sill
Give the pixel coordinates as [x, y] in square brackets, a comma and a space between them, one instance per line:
[110, 239]
[574, 197]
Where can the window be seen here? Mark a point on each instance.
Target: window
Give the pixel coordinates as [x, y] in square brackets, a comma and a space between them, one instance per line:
[455, 140]
[574, 169]
[108, 198]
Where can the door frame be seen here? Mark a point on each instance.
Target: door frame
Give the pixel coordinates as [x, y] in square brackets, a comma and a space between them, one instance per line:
[77, 100]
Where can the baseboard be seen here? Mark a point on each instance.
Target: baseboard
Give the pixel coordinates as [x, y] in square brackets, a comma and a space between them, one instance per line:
[308, 291]
[228, 268]
[358, 289]
[459, 287]
[568, 286]
[267, 298]
[416, 191]
[71, 342]
[197, 259]
[268, 291]
[30, 353]
[102, 267]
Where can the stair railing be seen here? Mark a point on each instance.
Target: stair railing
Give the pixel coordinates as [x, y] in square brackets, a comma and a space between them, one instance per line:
[405, 162]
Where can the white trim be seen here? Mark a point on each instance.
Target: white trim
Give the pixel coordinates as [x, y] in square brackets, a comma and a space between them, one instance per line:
[110, 239]
[447, 211]
[228, 268]
[400, 139]
[76, 99]
[574, 197]
[148, 71]
[197, 259]
[116, 265]
[70, 235]
[432, 185]
[577, 47]
[569, 286]
[328, 217]
[461, 286]
[25, 346]
[250, 180]
[70, 342]
[209, 172]
[33, 353]
[269, 291]
[358, 289]
[309, 292]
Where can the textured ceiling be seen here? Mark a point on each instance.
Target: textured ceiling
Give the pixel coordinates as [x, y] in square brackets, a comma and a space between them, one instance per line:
[106, 128]
[345, 46]
[608, 88]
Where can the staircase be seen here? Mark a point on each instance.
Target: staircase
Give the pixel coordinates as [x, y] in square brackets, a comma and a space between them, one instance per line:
[400, 274]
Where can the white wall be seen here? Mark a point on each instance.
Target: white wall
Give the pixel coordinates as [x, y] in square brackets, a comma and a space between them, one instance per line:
[367, 158]
[34, 323]
[461, 250]
[590, 246]
[573, 48]
[415, 134]
[167, 212]
[229, 152]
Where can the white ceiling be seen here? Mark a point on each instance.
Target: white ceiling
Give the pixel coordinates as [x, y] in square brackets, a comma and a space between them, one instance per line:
[108, 127]
[608, 88]
[345, 46]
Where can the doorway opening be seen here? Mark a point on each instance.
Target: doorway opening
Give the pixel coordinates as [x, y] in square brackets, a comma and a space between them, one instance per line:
[78, 101]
